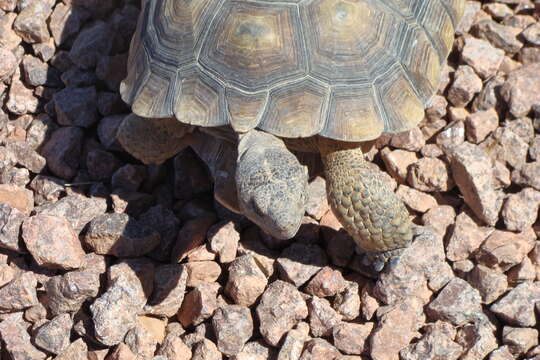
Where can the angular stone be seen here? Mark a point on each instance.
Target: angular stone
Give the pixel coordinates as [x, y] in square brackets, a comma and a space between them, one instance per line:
[465, 85]
[233, 326]
[504, 249]
[528, 175]
[481, 56]
[10, 225]
[519, 340]
[31, 22]
[436, 343]
[501, 36]
[416, 200]
[411, 140]
[192, 234]
[280, 308]
[246, 281]
[440, 218]
[199, 304]
[520, 210]
[223, 239]
[317, 203]
[65, 21]
[478, 339]
[92, 43]
[491, 284]
[299, 262]
[322, 317]
[76, 106]
[206, 350]
[68, 292]
[54, 335]
[141, 342]
[397, 162]
[19, 294]
[319, 349]
[52, 242]
[431, 175]
[63, 151]
[139, 276]
[522, 90]
[351, 338]
[480, 124]
[15, 338]
[327, 282]
[199, 272]
[17, 198]
[77, 350]
[517, 306]
[473, 174]
[169, 288]
[466, 237]
[506, 146]
[120, 235]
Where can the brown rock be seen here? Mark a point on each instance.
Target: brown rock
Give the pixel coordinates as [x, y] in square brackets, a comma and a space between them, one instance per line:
[15, 338]
[199, 304]
[122, 352]
[465, 85]
[436, 343]
[397, 162]
[169, 288]
[206, 350]
[319, 349]
[431, 175]
[141, 342]
[481, 56]
[299, 262]
[77, 350]
[255, 350]
[223, 239]
[528, 175]
[491, 284]
[351, 338]
[174, 348]
[280, 308]
[439, 218]
[54, 335]
[466, 237]
[473, 173]
[517, 306]
[19, 294]
[525, 271]
[202, 271]
[317, 203]
[501, 36]
[10, 225]
[52, 242]
[521, 90]
[139, 275]
[294, 343]
[469, 16]
[120, 235]
[66, 21]
[507, 147]
[68, 292]
[246, 281]
[7, 273]
[327, 282]
[31, 22]
[452, 135]
[519, 340]
[8, 38]
[8, 63]
[415, 199]
[63, 150]
[502, 353]
[17, 197]
[396, 327]
[477, 339]
[233, 326]
[520, 210]
[322, 317]
[480, 124]
[347, 302]
[191, 235]
[504, 249]
[411, 140]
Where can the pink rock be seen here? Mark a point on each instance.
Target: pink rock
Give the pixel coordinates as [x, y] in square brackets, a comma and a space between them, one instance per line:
[199, 304]
[481, 56]
[504, 249]
[322, 317]
[480, 124]
[246, 281]
[397, 162]
[522, 89]
[519, 340]
[233, 327]
[411, 140]
[465, 85]
[466, 237]
[517, 306]
[223, 239]
[489, 282]
[319, 349]
[352, 338]
[17, 197]
[439, 218]
[327, 282]
[520, 210]
[437, 342]
[416, 200]
[15, 338]
[430, 175]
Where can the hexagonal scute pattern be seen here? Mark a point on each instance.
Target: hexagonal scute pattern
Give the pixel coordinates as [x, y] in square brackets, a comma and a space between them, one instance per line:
[344, 69]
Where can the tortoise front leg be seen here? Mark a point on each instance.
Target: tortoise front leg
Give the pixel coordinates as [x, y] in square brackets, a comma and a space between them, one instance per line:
[368, 210]
[271, 184]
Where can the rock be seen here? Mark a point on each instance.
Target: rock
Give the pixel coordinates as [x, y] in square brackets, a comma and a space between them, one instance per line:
[469, 14]
[52, 242]
[114, 313]
[280, 308]
[174, 348]
[477, 339]
[77, 350]
[199, 304]
[122, 352]
[292, 346]
[129, 177]
[206, 350]
[141, 342]
[397, 162]
[440, 218]
[501, 36]
[466, 237]
[254, 350]
[223, 239]
[411, 140]
[68, 292]
[522, 90]
[78, 210]
[327, 282]
[46, 189]
[246, 281]
[92, 43]
[9, 64]
[26, 156]
[167, 225]
[369, 304]
[431, 175]
[9, 38]
[120, 235]
[319, 349]
[15, 339]
[517, 306]
[520, 210]
[63, 150]
[473, 174]
[169, 288]
[31, 22]
[415, 199]
[139, 275]
[351, 338]
[436, 343]
[37, 73]
[465, 85]
[76, 106]
[491, 284]
[525, 271]
[54, 335]
[480, 124]
[519, 340]
[66, 21]
[192, 234]
[457, 303]
[299, 262]
[322, 317]
[202, 271]
[504, 249]
[507, 147]
[502, 353]
[528, 175]
[481, 56]
[17, 198]
[395, 329]
[233, 326]
[10, 226]
[112, 70]
[317, 203]
[19, 294]
[452, 135]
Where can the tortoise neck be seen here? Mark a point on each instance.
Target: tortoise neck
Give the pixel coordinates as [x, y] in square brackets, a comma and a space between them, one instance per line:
[334, 152]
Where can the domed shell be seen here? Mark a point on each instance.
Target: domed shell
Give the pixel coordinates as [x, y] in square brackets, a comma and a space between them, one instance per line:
[344, 69]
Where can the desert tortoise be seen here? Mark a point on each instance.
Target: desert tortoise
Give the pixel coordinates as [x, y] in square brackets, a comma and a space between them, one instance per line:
[272, 76]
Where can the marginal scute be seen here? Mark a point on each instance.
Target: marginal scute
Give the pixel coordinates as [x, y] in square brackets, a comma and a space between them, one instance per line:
[353, 114]
[244, 110]
[402, 107]
[201, 100]
[295, 110]
[255, 45]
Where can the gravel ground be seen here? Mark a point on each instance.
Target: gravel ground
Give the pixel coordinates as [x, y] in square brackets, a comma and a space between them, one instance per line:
[102, 257]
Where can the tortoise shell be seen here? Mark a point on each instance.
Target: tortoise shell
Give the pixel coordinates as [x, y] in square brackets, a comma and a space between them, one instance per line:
[343, 69]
